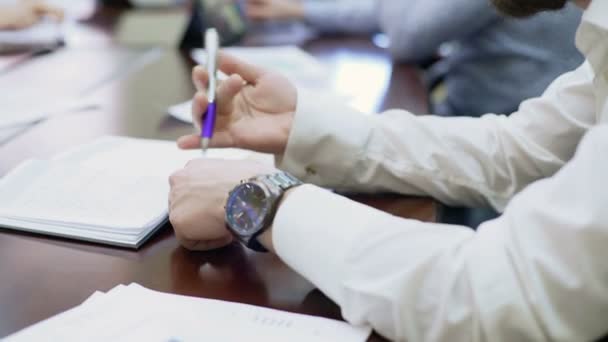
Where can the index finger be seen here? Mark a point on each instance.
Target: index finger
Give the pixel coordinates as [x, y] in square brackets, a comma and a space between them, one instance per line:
[232, 65]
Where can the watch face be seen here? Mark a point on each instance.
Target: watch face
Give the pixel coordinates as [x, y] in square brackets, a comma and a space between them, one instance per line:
[246, 209]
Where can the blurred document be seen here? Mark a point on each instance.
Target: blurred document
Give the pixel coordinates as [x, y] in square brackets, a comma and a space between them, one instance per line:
[306, 72]
[134, 313]
[301, 68]
[182, 111]
[18, 113]
[47, 34]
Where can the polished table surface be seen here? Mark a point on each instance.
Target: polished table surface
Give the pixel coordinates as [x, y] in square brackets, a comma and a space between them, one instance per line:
[125, 91]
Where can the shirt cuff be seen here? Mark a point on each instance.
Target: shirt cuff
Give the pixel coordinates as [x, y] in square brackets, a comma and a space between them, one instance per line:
[323, 149]
[314, 245]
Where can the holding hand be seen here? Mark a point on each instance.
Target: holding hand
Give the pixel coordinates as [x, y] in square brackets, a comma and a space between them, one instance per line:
[255, 108]
[27, 13]
[198, 194]
[274, 9]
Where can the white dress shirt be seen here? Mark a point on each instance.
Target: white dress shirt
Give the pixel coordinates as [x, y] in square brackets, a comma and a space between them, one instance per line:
[539, 272]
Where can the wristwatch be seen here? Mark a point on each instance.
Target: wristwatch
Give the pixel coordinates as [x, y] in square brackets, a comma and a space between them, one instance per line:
[252, 205]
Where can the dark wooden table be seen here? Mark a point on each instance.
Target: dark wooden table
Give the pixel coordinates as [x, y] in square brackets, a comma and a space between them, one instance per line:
[41, 276]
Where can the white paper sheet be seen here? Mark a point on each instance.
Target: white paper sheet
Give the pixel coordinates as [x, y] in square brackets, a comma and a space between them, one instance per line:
[305, 71]
[298, 66]
[45, 34]
[111, 196]
[134, 313]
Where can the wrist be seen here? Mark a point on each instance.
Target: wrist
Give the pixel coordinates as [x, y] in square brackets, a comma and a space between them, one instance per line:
[285, 130]
[265, 239]
[252, 206]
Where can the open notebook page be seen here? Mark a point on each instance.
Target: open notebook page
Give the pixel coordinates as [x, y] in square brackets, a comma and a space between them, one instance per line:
[112, 190]
[149, 156]
[110, 196]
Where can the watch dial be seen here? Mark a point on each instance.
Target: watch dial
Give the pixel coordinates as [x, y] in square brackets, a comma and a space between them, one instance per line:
[247, 207]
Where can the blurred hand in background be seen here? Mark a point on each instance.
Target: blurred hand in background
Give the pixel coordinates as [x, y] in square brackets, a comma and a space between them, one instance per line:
[274, 9]
[27, 13]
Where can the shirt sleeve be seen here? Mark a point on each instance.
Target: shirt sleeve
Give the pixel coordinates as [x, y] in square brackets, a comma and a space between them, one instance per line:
[536, 273]
[417, 28]
[459, 161]
[342, 16]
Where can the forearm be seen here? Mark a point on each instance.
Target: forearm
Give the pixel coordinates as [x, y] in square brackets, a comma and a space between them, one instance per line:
[461, 161]
[533, 274]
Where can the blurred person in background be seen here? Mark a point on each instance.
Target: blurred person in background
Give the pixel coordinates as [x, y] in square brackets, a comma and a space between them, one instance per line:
[23, 14]
[493, 64]
[332, 16]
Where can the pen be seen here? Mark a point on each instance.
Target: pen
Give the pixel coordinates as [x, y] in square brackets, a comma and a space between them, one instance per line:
[212, 45]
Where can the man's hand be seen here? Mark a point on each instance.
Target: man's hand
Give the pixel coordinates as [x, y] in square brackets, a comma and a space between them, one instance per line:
[274, 9]
[255, 108]
[198, 194]
[27, 13]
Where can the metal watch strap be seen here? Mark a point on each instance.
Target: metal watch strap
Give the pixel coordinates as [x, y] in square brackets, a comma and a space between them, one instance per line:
[284, 181]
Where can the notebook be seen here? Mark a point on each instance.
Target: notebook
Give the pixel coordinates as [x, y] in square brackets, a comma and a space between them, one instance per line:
[134, 313]
[113, 190]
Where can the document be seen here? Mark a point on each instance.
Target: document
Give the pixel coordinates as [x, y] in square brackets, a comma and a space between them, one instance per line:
[134, 313]
[47, 34]
[301, 68]
[182, 111]
[113, 190]
[18, 113]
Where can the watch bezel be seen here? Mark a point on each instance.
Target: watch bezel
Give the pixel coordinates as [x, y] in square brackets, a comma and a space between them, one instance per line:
[247, 234]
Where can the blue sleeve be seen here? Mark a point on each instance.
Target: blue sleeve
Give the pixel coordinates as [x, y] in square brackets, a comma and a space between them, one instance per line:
[417, 28]
[342, 16]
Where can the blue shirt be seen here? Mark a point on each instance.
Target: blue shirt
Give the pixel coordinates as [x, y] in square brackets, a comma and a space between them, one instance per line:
[495, 62]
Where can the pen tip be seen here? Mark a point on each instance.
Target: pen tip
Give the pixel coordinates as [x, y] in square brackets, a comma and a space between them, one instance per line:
[204, 145]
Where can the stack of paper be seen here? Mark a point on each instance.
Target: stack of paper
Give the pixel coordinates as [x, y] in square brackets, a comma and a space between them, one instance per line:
[113, 190]
[134, 313]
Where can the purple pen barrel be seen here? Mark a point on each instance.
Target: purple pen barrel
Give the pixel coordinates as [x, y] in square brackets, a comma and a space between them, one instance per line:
[209, 121]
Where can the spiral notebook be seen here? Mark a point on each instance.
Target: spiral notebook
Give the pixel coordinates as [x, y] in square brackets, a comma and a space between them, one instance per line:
[113, 190]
